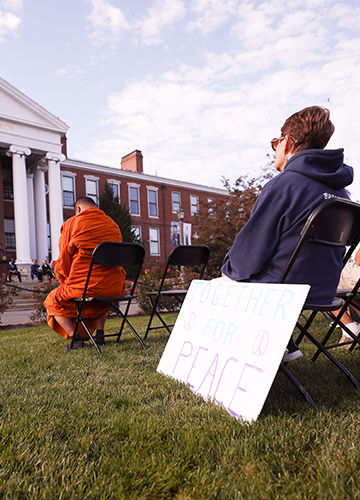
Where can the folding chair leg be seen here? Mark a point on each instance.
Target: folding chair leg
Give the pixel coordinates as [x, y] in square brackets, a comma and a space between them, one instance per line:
[125, 320]
[80, 320]
[330, 356]
[153, 309]
[295, 381]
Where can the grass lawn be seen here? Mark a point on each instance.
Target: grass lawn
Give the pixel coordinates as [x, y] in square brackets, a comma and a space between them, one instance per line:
[77, 425]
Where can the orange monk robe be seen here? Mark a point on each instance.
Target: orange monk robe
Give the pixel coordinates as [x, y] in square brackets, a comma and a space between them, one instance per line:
[79, 236]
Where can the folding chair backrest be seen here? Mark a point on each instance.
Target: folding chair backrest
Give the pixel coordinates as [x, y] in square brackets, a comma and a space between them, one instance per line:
[335, 222]
[189, 255]
[111, 253]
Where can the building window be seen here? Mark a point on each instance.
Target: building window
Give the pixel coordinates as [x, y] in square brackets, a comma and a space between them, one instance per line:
[175, 201]
[68, 186]
[194, 204]
[9, 228]
[153, 203]
[154, 241]
[48, 237]
[8, 191]
[115, 186]
[92, 189]
[210, 206]
[136, 231]
[134, 198]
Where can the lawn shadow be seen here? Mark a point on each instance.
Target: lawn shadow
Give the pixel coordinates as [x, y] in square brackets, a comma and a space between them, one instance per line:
[317, 378]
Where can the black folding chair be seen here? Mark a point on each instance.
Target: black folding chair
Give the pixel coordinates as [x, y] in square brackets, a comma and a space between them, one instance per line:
[349, 300]
[183, 255]
[128, 255]
[336, 222]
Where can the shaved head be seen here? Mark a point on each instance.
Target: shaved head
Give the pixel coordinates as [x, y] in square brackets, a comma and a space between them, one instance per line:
[83, 203]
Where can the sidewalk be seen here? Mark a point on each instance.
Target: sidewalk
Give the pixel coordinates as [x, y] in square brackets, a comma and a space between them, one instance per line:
[22, 317]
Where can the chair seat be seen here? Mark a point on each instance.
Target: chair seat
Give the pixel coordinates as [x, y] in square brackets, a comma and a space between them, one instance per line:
[124, 298]
[335, 304]
[168, 292]
[344, 293]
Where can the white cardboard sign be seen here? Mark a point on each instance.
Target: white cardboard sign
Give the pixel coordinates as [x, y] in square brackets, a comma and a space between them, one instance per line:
[229, 339]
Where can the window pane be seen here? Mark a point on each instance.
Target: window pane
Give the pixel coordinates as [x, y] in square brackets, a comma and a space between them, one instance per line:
[134, 200]
[152, 203]
[68, 190]
[194, 204]
[136, 230]
[154, 241]
[68, 183]
[9, 229]
[115, 189]
[9, 225]
[175, 197]
[68, 199]
[8, 192]
[91, 187]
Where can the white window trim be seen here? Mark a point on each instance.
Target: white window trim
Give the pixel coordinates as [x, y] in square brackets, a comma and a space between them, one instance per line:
[175, 211]
[73, 175]
[134, 185]
[158, 232]
[156, 189]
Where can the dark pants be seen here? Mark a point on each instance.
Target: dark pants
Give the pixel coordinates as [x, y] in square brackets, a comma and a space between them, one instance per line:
[38, 274]
[17, 273]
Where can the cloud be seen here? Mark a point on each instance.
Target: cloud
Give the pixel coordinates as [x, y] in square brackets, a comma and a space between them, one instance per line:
[9, 24]
[203, 120]
[107, 23]
[161, 14]
[12, 5]
[209, 15]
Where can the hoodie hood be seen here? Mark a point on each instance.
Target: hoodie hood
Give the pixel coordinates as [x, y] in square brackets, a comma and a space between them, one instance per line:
[323, 165]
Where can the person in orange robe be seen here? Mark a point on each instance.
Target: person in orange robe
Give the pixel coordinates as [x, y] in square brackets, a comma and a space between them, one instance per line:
[79, 236]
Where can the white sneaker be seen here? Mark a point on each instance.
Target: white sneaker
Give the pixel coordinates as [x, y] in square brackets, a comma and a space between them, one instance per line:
[292, 355]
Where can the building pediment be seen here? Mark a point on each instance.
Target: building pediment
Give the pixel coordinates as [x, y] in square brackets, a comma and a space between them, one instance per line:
[18, 108]
[23, 122]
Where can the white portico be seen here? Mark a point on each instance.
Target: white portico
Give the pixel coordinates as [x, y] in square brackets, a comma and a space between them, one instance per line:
[31, 136]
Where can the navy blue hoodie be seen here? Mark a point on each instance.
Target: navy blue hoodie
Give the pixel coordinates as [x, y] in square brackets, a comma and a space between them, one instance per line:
[264, 245]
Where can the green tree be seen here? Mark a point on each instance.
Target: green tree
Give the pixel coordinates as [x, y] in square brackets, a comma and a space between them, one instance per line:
[218, 221]
[112, 207]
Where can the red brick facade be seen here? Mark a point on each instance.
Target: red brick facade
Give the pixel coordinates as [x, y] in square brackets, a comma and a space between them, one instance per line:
[131, 175]
[84, 176]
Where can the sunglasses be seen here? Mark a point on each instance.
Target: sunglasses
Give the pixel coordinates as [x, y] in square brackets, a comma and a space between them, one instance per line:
[275, 142]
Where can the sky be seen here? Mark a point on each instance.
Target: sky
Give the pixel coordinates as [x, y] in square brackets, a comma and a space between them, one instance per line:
[199, 86]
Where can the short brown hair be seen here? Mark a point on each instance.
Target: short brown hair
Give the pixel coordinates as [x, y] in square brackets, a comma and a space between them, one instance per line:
[310, 128]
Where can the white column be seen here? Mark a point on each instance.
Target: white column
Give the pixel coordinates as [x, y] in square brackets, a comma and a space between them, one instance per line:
[55, 200]
[40, 214]
[21, 208]
[31, 213]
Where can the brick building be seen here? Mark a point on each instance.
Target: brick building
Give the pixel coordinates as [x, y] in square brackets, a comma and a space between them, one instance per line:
[40, 186]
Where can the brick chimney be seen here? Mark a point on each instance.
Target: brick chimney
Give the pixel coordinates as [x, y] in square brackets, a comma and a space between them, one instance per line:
[133, 161]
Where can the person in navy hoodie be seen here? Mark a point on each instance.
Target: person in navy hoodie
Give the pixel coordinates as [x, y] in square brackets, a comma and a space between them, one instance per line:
[308, 175]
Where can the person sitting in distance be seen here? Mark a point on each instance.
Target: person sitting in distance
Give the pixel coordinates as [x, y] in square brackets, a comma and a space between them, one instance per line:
[35, 271]
[46, 270]
[13, 270]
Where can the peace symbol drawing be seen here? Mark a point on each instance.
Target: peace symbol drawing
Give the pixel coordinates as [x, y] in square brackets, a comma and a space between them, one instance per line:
[189, 320]
[261, 343]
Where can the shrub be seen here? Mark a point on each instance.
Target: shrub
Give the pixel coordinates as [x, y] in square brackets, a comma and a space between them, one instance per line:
[149, 281]
[40, 293]
[7, 294]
